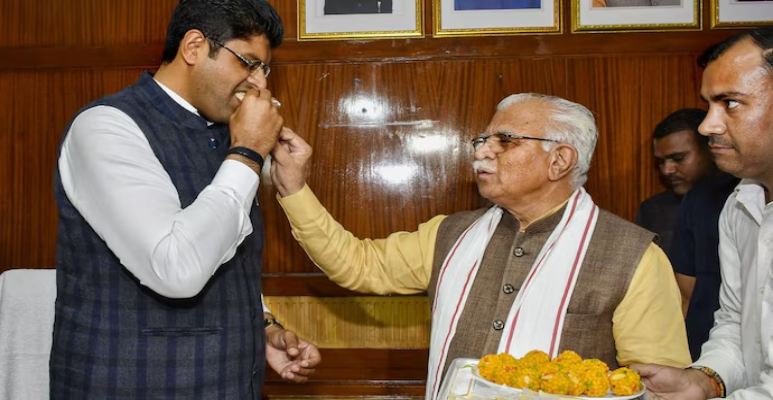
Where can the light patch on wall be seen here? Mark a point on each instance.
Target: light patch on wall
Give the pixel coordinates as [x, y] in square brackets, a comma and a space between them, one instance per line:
[397, 174]
[426, 144]
[362, 109]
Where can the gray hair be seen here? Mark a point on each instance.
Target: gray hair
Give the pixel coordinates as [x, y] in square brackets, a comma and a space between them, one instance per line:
[570, 123]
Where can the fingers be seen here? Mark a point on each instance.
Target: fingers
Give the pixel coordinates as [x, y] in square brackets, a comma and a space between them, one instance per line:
[295, 377]
[280, 152]
[291, 344]
[297, 374]
[290, 144]
[255, 94]
[310, 356]
[645, 370]
[292, 141]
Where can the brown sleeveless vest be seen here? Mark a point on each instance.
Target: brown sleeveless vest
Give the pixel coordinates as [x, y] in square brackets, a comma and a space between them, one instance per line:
[614, 252]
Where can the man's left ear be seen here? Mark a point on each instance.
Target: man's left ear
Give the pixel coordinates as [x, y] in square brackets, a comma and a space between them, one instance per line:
[563, 158]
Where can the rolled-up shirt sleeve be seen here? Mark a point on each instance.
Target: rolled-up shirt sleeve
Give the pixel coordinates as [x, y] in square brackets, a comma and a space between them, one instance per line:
[112, 177]
[723, 352]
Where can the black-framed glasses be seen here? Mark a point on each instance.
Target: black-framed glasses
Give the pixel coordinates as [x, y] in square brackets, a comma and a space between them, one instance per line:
[499, 141]
[253, 66]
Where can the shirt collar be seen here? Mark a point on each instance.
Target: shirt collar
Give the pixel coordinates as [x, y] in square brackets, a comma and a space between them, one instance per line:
[751, 195]
[179, 100]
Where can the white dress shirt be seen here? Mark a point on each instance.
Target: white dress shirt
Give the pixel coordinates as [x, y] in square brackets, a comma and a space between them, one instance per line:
[111, 175]
[740, 346]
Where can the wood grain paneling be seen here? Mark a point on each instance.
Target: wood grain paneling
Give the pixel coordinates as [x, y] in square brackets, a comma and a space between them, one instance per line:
[36, 109]
[356, 322]
[84, 22]
[359, 372]
[629, 96]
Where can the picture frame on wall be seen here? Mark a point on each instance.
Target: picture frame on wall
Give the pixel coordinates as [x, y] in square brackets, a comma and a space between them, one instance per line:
[496, 17]
[359, 19]
[636, 15]
[740, 13]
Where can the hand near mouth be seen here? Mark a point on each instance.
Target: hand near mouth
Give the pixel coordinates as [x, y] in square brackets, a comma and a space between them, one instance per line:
[256, 123]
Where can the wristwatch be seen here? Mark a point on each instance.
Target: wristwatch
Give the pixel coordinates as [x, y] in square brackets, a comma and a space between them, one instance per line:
[272, 322]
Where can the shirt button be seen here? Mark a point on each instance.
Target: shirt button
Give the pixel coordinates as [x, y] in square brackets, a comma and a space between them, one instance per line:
[758, 339]
[518, 252]
[508, 288]
[254, 371]
[498, 324]
[762, 290]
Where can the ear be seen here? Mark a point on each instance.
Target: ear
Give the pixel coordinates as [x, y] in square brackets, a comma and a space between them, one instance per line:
[193, 46]
[563, 158]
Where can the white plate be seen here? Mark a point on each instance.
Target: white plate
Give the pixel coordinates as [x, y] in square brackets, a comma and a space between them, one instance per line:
[463, 380]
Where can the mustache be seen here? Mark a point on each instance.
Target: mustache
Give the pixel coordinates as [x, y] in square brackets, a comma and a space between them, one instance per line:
[482, 164]
[717, 141]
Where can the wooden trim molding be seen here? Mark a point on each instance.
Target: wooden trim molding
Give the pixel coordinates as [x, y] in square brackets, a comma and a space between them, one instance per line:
[312, 284]
[352, 365]
[397, 50]
[356, 322]
[357, 372]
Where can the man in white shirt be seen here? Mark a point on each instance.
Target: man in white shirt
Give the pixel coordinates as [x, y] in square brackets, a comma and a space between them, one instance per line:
[160, 234]
[737, 361]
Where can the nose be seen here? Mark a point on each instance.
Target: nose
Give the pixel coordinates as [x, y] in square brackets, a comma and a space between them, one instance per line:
[258, 80]
[668, 167]
[484, 152]
[713, 123]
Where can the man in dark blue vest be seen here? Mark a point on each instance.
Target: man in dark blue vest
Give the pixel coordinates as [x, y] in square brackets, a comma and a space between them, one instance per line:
[160, 234]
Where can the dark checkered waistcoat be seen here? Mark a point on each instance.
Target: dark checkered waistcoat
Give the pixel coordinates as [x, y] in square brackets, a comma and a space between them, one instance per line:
[114, 338]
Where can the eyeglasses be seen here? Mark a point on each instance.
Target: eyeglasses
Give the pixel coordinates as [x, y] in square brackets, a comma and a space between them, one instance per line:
[253, 66]
[501, 140]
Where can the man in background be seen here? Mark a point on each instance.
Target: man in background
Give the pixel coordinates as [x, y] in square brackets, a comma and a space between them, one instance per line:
[683, 158]
[695, 258]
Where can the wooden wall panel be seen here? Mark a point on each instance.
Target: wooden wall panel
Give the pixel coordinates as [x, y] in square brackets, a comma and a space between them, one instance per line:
[629, 96]
[83, 22]
[36, 108]
[373, 322]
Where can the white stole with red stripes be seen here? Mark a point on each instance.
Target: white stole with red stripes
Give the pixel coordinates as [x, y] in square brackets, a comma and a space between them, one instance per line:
[537, 316]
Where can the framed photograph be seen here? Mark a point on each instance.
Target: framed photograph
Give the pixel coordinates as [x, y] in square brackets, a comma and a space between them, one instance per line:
[496, 17]
[741, 13]
[636, 15]
[359, 19]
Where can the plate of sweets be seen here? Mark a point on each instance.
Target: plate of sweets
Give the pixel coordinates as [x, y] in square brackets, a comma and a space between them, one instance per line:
[536, 376]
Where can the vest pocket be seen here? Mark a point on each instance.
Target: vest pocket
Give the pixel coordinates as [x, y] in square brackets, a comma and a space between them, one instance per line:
[175, 332]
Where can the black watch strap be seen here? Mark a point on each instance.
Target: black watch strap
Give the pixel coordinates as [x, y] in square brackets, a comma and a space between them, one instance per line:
[272, 322]
[248, 153]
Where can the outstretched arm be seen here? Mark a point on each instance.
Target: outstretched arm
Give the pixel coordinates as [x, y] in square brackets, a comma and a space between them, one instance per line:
[400, 264]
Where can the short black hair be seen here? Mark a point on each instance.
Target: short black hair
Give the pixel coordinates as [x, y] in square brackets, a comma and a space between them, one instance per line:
[762, 37]
[686, 119]
[221, 21]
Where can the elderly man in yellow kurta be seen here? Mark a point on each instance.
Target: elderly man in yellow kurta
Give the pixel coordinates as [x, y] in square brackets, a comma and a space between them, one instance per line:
[543, 268]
